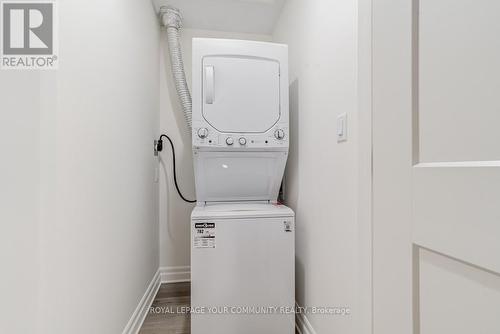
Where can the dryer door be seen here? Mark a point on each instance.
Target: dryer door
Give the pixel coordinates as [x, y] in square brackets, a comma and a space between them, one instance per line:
[241, 94]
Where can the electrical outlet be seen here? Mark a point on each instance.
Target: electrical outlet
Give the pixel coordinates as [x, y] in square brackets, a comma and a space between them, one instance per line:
[157, 175]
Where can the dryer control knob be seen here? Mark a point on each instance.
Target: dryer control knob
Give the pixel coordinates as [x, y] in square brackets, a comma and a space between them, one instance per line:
[279, 134]
[229, 141]
[202, 133]
[242, 141]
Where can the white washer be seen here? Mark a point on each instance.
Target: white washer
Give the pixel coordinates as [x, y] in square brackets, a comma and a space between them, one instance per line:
[242, 258]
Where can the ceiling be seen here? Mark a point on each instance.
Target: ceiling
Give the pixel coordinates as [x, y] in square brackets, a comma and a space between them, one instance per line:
[248, 16]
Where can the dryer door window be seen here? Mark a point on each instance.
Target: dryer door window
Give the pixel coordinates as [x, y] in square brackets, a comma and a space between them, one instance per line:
[241, 94]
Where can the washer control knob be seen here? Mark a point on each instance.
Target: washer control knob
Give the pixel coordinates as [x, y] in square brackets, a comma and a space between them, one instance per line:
[279, 134]
[202, 133]
[242, 141]
[229, 141]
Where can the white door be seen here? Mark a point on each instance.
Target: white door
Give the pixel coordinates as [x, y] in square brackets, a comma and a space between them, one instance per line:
[436, 166]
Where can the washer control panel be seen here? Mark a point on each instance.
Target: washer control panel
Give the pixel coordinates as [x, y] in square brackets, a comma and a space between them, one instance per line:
[205, 137]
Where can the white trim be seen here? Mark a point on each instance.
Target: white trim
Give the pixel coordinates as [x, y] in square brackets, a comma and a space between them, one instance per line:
[134, 324]
[175, 274]
[302, 324]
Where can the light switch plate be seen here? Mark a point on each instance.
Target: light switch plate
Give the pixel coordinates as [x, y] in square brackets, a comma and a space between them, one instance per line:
[342, 127]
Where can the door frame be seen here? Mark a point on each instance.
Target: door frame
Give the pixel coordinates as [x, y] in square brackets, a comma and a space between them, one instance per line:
[363, 318]
[394, 298]
[384, 193]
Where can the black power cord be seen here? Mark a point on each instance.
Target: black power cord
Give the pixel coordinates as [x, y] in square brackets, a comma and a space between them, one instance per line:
[159, 148]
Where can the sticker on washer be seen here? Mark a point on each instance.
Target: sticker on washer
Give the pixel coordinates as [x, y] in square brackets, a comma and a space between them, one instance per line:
[204, 235]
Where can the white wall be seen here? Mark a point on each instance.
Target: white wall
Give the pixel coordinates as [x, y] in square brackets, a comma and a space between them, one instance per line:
[79, 214]
[19, 199]
[322, 175]
[174, 212]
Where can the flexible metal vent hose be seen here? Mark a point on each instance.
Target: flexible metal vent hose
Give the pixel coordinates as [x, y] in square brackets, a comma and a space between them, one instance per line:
[172, 20]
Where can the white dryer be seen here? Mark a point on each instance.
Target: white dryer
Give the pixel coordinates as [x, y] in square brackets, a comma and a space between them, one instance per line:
[240, 119]
[242, 242]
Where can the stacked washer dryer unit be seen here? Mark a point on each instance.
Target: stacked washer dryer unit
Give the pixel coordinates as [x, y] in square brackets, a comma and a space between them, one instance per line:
[242, 241]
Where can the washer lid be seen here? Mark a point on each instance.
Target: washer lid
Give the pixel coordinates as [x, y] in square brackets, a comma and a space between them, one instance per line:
[241, 94]
[240, 210]
[238, 176]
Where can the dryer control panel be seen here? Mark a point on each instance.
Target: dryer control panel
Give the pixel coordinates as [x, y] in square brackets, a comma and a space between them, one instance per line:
[275, 138]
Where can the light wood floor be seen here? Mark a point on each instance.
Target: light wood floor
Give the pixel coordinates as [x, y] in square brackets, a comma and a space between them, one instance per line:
[163, 317]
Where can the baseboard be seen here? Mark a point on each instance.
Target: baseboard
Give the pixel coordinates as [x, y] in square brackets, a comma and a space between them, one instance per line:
[302, 324]
[175, 274]
[141, 311]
